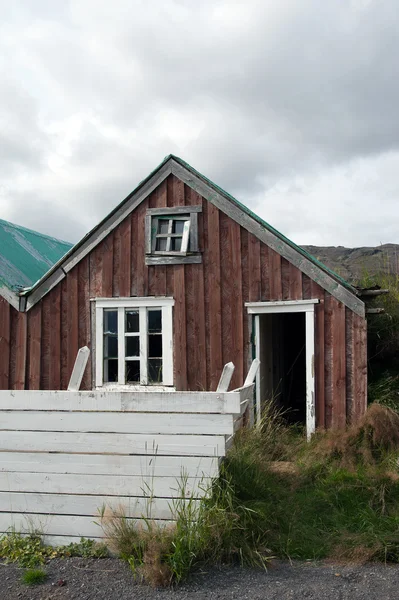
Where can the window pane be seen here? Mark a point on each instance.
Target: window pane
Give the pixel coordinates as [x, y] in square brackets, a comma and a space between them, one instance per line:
[154, 321]
[110, 370]
[132, 371]
[110, 321]
[132, 346]
[178, 227]
[163, 225]
[155, 370]
[110, 346]
[155, 346]
[161, 244]
[132, 321]
[176, 244]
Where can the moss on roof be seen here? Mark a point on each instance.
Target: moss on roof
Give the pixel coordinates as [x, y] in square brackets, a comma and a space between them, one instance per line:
[26, 255]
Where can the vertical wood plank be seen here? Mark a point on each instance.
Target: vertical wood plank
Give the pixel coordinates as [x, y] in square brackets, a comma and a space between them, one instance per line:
[180, 333]
[18, 350]
[72, 320]
[316, 291]
[107, 265]
[240, 352]
[125, 266]
[96, 276]
[64, 331]
[350, 356]
[141, 268]
[34, 337]
[295, 278]
[226, 283]
[212, 262]
[195, 319]
[264, 268]
[5, 318]
[285, 279]
[306, 287]
[335, 363]
[116, 266]
[276, 291]
[254, 268]
[84, 329]
[133, 253]
[157, 273]
[247, 320]
[45, 345]
[55, 339]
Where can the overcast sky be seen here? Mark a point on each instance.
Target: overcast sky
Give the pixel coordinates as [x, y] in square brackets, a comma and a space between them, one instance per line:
[290, 105]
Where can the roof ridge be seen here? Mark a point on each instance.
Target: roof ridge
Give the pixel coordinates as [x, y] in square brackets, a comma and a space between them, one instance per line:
[38, 233]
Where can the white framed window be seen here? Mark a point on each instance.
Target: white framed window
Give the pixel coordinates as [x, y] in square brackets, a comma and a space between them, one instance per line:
[172, 235]
[134, 345]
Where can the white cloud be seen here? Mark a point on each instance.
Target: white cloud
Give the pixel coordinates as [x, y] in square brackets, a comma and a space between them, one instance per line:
[291, 106]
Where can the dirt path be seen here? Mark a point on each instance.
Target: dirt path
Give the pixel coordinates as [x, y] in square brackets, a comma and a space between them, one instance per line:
[110, 579]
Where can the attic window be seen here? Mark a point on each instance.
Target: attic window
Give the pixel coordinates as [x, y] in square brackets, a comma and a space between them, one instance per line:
[172, 235]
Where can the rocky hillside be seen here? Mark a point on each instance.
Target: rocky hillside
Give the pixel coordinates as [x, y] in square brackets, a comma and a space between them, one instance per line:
[353, 263]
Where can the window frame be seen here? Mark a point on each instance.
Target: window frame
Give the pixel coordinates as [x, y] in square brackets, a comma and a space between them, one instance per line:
[189, 252]
[165, 304]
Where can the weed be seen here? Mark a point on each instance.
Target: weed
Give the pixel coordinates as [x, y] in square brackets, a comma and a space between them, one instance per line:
[27, 551]
[34, 577]
[86, 548]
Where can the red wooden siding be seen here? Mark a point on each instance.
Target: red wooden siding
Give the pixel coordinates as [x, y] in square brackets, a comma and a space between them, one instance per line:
[211, 325]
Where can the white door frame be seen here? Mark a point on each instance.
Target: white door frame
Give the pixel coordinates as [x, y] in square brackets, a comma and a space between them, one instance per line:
[290, 306]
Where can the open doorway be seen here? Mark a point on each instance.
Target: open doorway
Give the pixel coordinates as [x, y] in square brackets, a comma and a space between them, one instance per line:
[284, 333]
[282, 370]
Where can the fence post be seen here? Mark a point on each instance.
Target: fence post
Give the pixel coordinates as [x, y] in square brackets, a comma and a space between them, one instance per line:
[225, 377]
[78, 369]
[250, 379]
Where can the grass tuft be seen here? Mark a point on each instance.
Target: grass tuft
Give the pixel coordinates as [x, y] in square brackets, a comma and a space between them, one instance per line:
[34, 577]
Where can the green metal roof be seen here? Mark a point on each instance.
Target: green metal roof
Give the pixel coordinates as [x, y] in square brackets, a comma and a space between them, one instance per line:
[26, 255]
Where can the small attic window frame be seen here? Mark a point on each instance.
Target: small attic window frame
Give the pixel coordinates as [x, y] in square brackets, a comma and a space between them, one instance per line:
[188, 251]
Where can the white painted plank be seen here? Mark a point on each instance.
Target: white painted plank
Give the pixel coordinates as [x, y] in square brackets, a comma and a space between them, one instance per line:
[67, 504]
[182, 445]
[52, 524]
[106, 464]
[116, 423]
[101, 400]
[98, 485]
[79, 369]
[252, 372]
[310, 382]
[225, 377]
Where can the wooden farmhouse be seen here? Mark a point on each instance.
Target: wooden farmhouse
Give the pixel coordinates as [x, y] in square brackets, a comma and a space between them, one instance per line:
[179, 279]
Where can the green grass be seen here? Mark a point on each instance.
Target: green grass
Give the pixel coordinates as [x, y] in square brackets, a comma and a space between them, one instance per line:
[34, 577]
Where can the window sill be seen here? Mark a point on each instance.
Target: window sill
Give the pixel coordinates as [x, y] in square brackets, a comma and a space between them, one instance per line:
[173, 259]
[109, 387]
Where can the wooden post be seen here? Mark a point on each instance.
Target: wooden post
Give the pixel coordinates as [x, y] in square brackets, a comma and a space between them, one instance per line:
[249, 413]
[79, 369]
[225, 377]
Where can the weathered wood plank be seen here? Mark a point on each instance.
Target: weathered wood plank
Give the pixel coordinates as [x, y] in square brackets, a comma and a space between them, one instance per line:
[82, 484]
[79, 369]
[254, 268]
[360, 349]
[317, 292]
[5, 319]
[179, 329]
[264, 270]
[125, 258]
[108, 464]
[173, 402]
[350, 364]
[295, 278]
[339, 366]
[175, 445]
[140, 268]
[55, 339]
[72, 319]
[213, 293]
[116, 262]
[109, 422]
[237, 330]
[108, 263]
[68, 504]
[275, 275]
[34, 326]
[19, 340]
[84, 318]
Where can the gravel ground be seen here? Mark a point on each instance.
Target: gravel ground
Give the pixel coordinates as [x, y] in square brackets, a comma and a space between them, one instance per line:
[111, 579]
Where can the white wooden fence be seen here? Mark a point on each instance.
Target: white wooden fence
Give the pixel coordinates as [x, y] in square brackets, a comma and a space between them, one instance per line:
[64, 455]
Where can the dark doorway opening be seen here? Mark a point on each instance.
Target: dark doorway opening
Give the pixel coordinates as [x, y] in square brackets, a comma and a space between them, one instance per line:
[283, 363]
